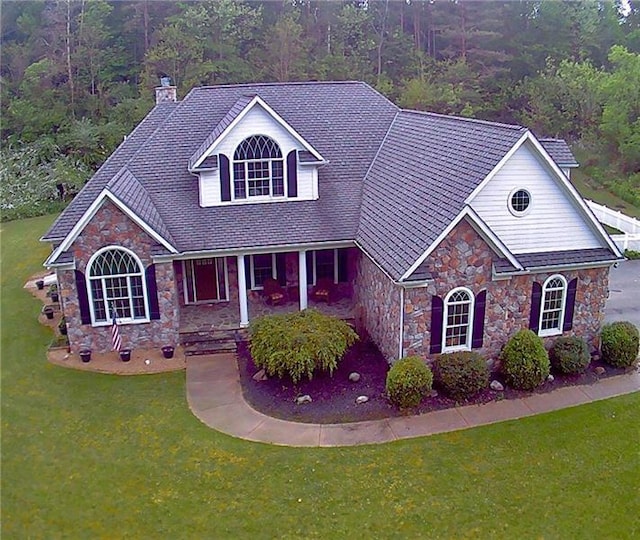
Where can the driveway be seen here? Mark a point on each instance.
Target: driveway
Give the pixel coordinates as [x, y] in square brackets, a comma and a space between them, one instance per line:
[624, 293]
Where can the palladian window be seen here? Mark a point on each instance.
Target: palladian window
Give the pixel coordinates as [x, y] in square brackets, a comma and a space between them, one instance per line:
[458, 314]
[554, 292]
[116, 281]
[258, 168]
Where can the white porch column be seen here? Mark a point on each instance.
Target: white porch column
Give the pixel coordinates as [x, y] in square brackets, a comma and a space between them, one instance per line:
[302, 278]
[242, 293]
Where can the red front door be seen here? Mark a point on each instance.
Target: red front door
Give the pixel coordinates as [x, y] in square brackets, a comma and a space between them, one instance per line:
[205, 277]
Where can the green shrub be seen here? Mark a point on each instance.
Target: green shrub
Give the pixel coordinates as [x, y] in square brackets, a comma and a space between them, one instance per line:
[525, 362]
[631, 254]
[408, 382]
[461, 374]
[299, 344]
[619, 343]
[569, 355]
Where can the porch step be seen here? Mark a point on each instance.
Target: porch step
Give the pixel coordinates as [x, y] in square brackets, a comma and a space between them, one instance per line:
[220, 341]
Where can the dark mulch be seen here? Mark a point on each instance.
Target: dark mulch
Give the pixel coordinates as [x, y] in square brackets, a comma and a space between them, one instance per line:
[334, 397]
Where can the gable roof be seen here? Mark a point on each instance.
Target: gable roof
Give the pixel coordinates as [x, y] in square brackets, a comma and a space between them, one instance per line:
[560, 152]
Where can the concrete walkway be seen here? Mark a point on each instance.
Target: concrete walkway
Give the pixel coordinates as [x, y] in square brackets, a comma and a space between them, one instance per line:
[215, 397]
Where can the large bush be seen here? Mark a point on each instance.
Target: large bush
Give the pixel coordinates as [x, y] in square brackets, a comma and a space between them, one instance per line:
[461, 374]
[569, 355]
[525, 362]
[619, 343]
[408, 382]
[299, 344]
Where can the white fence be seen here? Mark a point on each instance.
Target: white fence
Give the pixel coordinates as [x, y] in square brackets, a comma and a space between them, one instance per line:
[630, 227]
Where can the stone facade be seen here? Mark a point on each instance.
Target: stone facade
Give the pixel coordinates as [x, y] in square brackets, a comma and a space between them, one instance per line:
[111, 227]
[377, 302]
[464, 259]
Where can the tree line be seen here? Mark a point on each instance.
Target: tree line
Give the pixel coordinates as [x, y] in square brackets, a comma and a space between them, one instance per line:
[77, 75]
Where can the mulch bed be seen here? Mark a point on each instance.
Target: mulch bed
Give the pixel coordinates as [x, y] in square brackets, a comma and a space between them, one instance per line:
[334, 397]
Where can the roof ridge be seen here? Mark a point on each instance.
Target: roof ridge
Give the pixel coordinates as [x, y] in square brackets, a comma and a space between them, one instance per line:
[466, 119]
[273, 83]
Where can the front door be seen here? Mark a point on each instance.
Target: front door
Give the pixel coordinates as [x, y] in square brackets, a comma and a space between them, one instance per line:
[205, 280]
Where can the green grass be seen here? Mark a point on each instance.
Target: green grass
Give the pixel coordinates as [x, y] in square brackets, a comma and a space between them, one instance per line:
[96, 456]
[589, 189]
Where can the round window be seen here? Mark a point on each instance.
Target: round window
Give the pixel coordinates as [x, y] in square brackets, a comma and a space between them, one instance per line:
[520, 201]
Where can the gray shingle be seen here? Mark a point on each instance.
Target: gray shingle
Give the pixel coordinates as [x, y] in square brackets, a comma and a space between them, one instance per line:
[560, 152]
[563, 258]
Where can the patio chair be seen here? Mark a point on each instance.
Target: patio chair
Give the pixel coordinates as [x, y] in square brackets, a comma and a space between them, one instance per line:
[274, 293]
[324, 290]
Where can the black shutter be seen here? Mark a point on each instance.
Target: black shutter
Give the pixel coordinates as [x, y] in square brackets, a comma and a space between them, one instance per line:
[247, 271]
[309, 261]
[281, 268]
[569, 305]
[225, 178]
[342, 265]
[152, 292]
[478, 320]
[536, 299]
[437, 311]
[292, 174]
[83, 298]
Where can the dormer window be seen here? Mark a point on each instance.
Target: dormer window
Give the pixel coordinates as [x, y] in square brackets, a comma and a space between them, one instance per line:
[258, 168]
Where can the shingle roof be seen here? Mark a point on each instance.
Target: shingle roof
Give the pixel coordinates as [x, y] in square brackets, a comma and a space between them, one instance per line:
[427, 166]
[560, 152]
[549, 259]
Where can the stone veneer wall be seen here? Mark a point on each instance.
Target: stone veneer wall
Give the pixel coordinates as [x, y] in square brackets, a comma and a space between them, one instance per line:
[464, 259]
[377, 306]
[110, 227]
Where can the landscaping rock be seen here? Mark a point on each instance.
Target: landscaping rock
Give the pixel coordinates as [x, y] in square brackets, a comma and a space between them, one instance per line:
[550, 378]
[600, 370]
[354, 376]
[362, 399]
[303, 399]
[496, 386]
[260, 376]
[434, 393]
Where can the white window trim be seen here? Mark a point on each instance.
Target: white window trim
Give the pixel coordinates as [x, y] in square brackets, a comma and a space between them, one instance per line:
[445, 317]
[510, 205]
[274, 270]
[245, 162]
[193, 283]
[89, 280]
[553, 331]
[314, 271]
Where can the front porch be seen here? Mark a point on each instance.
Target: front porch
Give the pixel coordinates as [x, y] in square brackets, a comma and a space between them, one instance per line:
[226, 315]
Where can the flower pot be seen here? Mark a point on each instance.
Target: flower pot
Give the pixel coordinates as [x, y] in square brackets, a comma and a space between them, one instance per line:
[54, 297]
[63, 329]
[167, 351]
[48, 311]
[85, 355]
[125, 355]
[40, 284]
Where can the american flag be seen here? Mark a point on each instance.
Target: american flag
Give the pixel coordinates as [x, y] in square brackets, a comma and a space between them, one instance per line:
[116, 340]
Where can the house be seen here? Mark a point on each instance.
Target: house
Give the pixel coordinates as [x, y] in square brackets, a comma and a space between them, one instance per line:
[439, 233]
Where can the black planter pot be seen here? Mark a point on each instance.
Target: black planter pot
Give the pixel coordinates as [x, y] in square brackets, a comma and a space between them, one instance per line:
[85, 355]
[63, 330]
[168, 351]
[40, 284]
[48, 311]
[125, 355]
[54, 297]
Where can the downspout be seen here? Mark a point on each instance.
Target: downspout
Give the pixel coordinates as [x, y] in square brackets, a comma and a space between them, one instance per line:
[401, 341]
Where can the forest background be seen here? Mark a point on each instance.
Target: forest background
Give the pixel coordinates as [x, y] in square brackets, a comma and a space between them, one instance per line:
[76, 76]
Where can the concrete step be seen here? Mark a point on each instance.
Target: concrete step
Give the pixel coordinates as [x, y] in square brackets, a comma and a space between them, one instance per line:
[210, 348]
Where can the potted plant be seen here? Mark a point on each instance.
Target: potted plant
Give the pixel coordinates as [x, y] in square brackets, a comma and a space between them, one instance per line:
[53, 292]
[40, 284]
[62, 326]
[85, 355]
[48, 311]
[167, 351]
[125, 355]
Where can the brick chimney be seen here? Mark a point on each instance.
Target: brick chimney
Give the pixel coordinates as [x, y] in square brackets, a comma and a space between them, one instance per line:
[165, 92]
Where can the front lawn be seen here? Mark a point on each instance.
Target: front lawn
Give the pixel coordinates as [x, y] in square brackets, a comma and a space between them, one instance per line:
[98, 456]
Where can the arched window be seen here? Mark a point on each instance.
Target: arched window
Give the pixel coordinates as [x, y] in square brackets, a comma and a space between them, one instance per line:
[554, 294]
[116, 280]
[458, 320]
[258, 168]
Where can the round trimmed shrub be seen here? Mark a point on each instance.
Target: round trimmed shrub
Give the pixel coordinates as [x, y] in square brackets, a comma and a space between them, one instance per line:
[525, 362]
[461, 374]
[408, 382]
[569, 355]
[619, 343]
